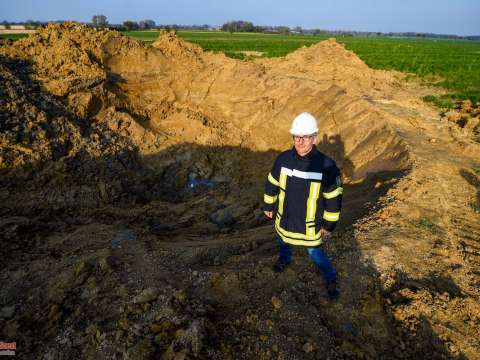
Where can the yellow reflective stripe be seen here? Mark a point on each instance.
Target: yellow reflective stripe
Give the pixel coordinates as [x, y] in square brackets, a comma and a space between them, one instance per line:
[272, 180]
[283, 180]
[269, 199]
[331, 216]
[312, 207]
[301, 242]
[295, 235]
[334, 193]
[281, 197]
[287, 237]
[312, 201]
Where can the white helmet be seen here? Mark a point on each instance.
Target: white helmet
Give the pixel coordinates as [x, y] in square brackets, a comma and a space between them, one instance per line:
[304, 124]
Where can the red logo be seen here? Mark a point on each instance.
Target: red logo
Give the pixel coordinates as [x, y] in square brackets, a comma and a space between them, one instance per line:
[8, 346]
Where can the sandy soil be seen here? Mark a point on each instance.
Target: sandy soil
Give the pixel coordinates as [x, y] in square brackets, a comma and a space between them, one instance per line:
[131, 185]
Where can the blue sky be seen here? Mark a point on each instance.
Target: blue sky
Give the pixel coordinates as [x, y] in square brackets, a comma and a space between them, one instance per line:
[459, 17]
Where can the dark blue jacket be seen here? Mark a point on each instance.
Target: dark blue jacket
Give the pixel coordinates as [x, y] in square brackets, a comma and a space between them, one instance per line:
[305, 194]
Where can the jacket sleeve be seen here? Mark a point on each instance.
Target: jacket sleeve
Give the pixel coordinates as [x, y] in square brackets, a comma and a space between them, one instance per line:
[332, 198]
[272, 187]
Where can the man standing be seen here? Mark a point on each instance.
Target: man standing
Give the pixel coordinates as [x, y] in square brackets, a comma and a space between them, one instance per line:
[303, 193]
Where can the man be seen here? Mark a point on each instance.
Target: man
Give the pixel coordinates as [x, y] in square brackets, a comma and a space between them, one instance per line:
[303, 193]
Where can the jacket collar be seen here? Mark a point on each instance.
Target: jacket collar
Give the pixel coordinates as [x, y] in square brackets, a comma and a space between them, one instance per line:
[309, 156]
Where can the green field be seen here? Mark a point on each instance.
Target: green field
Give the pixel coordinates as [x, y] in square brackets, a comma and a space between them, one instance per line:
[13, 36]
[451, 64]
[233, 45]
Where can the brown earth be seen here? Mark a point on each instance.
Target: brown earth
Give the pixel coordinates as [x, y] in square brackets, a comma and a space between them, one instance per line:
[131, 185]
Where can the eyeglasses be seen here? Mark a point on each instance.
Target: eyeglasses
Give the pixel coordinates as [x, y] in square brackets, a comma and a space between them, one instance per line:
[297, 138]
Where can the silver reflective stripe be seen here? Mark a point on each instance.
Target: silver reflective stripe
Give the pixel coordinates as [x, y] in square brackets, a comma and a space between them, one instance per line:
[302, 174]
[286, 171]
[307, 175]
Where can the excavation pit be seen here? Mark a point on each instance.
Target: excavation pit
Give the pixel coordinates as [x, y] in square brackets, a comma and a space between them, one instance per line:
[131, 185]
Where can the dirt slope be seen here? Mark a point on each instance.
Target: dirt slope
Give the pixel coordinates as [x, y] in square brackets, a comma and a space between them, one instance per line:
[131, 181]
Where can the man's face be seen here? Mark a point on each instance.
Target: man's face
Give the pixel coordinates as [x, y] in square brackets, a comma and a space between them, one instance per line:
[303, 144]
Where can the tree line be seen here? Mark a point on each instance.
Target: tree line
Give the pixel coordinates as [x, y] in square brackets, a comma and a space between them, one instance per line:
[247, 26]
[100, 21]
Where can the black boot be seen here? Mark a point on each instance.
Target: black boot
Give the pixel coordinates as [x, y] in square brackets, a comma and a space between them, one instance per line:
[332, 289]
[279, 265]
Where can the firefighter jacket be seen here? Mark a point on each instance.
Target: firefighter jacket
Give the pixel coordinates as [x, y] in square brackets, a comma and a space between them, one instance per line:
[305, 194]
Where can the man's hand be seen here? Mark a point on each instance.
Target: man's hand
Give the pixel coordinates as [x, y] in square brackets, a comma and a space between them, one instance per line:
[326, 235]
[268, 214]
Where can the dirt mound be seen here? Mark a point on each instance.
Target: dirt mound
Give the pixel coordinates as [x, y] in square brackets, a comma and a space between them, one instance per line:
[63, 58]
[173, 46]
[467, 116]
[131, 181]
[201, 106]
[60, 158]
